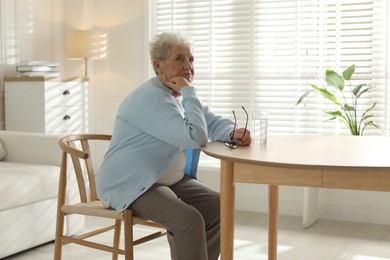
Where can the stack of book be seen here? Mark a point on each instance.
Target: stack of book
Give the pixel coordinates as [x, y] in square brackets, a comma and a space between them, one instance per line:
[38, 68]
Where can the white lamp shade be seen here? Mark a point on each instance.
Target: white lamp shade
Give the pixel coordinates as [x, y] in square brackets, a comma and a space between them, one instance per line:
[86, 45]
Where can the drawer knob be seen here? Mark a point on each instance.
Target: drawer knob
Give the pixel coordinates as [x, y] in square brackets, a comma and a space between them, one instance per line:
[66, 117]
[66, 92]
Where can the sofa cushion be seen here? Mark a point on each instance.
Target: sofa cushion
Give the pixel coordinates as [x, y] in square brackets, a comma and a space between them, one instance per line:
[2, 152]
[22, 183]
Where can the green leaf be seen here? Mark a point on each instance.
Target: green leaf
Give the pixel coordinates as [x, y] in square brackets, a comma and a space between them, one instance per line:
[334, 79]
[334, 114]
[363, 91]
[366, 117]
[347, 107]
[356, 90]
[347, 74]
[307, 92]
[369, 109]
[370, 123]
[374, 124]
[326, 93]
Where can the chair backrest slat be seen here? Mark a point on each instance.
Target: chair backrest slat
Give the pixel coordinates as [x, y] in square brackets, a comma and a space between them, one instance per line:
[77, 166]
[90, 170]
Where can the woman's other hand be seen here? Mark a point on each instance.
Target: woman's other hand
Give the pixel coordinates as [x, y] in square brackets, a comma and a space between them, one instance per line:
[242, 136]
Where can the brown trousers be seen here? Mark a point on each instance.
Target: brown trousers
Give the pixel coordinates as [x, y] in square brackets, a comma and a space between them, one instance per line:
[190, 211]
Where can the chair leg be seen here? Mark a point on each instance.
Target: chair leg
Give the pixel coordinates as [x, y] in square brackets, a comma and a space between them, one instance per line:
[60, 214]
[58, 236]
[128, 234]
[117, 235]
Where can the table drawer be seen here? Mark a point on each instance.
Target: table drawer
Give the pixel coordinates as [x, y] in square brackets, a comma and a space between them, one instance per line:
[308, 177]
[374, 180]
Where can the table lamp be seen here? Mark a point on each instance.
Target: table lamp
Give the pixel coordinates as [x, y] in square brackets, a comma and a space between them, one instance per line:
[86, 45]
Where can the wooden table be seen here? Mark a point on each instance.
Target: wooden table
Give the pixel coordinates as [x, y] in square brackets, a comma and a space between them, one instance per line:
[342, 162]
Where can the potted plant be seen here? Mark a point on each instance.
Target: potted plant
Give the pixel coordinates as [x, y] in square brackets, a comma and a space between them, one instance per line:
[346, 108]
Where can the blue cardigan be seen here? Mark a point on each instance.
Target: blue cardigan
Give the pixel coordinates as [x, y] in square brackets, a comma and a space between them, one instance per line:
[148, 133]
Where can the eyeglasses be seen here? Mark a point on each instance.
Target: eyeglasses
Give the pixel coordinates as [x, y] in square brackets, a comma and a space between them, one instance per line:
[233, 144]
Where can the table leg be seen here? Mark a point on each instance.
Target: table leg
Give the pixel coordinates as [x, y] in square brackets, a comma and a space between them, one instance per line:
[310, 206]
[273, 205]
[227, 210]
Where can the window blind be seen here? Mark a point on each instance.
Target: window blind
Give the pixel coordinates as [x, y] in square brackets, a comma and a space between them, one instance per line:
[265, 53]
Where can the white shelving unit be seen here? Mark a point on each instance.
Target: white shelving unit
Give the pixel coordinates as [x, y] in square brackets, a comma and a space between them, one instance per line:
[46, 105]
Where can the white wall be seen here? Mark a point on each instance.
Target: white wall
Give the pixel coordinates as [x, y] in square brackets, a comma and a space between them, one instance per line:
[35, 29]
[126, 66]
[29, 30]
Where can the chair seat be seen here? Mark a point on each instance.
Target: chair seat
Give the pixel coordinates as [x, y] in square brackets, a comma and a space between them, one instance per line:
[98, 209]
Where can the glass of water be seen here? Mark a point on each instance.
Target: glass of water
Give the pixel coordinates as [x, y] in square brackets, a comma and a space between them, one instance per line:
[260, 125]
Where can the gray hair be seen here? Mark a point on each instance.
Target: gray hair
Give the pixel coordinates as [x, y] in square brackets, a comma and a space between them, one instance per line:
[160, 46]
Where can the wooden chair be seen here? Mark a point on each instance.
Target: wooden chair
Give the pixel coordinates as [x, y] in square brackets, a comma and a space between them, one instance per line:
[78, 147]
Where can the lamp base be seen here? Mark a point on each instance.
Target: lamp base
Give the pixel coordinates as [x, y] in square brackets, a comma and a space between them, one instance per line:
[86, 68]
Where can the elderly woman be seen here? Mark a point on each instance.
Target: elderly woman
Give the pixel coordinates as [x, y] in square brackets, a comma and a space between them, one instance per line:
[153, 157]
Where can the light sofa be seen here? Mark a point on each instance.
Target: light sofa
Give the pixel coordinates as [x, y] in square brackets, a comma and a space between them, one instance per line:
[29, 175]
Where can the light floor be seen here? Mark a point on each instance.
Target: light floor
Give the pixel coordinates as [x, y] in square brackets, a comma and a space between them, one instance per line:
[327, 239]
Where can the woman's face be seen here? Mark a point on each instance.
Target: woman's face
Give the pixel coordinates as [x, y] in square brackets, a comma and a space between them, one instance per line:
[178, 63]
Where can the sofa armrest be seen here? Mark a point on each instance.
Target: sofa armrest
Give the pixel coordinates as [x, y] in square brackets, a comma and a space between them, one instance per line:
[26, 147]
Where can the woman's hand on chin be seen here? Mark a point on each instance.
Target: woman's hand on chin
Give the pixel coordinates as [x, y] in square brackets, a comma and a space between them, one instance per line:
[177, 83]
